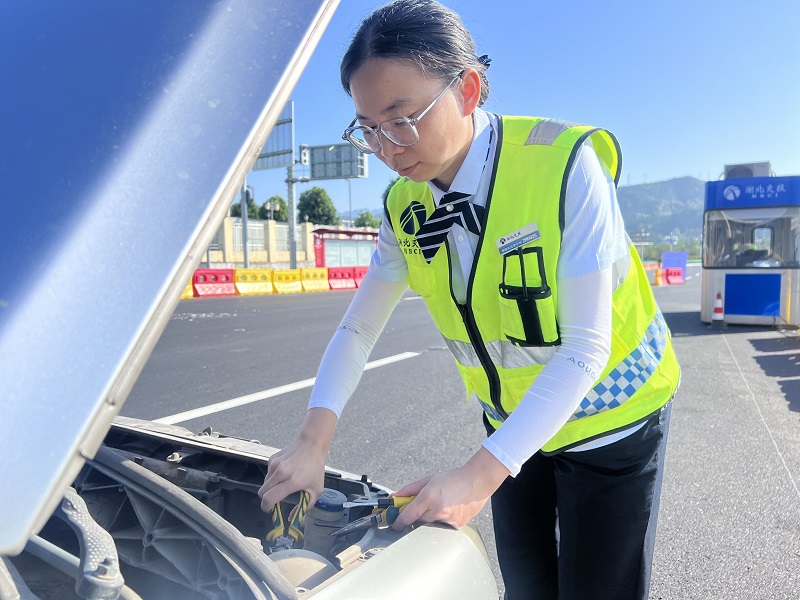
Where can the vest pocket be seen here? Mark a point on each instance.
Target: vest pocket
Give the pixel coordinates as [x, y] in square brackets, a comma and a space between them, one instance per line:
[527, 308]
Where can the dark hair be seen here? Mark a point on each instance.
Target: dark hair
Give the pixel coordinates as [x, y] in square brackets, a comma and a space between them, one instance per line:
[423, 32]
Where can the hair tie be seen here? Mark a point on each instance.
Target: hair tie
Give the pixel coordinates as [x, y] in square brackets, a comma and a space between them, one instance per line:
[485, 60]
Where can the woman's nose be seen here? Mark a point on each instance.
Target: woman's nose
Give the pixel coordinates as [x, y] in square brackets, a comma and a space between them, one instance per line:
[389, 149]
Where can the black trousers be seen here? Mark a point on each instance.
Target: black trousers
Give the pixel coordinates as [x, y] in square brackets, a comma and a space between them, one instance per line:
[581, 525]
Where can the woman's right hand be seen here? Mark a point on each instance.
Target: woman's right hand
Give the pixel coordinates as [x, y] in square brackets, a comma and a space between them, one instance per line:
[301, 465]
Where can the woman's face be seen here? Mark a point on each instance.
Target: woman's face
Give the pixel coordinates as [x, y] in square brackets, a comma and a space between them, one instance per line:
[385, 88]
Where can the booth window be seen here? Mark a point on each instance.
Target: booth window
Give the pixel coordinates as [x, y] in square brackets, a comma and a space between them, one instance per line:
[749, 238]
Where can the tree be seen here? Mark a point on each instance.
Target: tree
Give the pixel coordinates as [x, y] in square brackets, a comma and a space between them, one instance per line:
[252, 209]
[276, 207]
[318, 207]
[389, 188]
[367, 219]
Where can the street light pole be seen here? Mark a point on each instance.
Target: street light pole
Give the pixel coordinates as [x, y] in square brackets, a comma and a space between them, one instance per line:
[243, 206]
[350, 202]
[673, 239]
[291, 180]
[641, 237]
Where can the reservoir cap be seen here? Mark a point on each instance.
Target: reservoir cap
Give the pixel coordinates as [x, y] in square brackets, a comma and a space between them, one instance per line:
[331, 500]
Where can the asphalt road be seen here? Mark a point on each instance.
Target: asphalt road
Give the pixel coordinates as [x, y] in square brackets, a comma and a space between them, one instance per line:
[729, 525]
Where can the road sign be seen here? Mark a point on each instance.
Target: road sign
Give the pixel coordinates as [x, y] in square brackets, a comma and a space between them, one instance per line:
[277, 152]
[337, 161]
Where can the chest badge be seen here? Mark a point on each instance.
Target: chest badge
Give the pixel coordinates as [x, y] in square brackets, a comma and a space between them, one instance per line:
[520, 237]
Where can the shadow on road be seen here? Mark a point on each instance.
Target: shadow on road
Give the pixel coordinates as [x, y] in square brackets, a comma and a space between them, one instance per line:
[784, 366]
[791, 391]
[781, 344]
[781, 365]
[773, 355]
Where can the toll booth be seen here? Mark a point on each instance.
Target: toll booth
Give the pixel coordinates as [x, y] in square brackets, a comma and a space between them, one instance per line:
[338, 247]
[751, 249]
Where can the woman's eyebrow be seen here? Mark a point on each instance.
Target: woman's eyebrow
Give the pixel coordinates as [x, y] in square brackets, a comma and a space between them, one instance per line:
[390, 110]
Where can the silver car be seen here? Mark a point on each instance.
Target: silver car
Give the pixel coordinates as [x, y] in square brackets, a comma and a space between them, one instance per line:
[127, 128]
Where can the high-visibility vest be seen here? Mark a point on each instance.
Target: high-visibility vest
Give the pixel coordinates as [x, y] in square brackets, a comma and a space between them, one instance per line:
[507, 330]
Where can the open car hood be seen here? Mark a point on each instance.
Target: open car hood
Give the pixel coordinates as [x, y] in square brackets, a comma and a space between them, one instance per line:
[127, 129]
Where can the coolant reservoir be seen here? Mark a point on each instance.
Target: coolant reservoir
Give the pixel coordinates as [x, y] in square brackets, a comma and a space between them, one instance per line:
[324, 518]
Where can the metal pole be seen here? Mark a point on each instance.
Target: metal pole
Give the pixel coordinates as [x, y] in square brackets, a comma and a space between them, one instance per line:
[290, 180]
[292, 212]
[350, 202]
[243, 205]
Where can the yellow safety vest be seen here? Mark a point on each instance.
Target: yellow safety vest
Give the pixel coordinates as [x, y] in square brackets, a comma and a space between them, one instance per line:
[507, 330]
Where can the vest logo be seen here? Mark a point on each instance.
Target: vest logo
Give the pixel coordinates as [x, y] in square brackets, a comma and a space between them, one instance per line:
[732, 192]
[413, 217]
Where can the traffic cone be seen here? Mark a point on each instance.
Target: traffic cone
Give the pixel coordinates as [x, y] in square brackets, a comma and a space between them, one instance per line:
[659, 280]
[718, 317]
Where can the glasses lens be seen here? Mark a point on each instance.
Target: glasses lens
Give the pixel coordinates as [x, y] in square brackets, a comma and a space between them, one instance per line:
[364, 139]
[400, 131]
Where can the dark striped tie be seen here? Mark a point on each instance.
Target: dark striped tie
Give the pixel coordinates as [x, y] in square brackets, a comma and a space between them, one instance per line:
[454, 207]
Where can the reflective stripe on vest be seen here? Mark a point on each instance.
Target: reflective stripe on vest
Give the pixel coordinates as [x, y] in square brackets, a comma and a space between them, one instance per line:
[503, 354]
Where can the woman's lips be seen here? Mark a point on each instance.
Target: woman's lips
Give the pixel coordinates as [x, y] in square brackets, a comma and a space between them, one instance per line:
[407, 171]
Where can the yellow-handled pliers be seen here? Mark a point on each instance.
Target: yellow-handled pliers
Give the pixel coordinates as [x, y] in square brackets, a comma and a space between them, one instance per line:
[288, 534]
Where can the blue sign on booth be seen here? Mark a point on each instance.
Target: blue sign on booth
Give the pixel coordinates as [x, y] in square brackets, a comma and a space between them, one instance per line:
[753, 192]
[753, 294]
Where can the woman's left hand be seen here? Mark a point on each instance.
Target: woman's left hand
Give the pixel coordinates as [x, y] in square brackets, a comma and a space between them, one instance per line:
[453, 497]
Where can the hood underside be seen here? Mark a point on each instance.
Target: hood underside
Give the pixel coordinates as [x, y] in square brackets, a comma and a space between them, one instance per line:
[130, 128]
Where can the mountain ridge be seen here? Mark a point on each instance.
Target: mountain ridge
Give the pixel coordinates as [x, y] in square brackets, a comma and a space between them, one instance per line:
[663, 207]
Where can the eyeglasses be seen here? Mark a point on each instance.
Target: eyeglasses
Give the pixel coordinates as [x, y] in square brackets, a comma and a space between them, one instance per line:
[401, 131]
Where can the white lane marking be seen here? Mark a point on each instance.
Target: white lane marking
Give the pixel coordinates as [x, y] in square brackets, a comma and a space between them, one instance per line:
[264, 394]
[760, 414]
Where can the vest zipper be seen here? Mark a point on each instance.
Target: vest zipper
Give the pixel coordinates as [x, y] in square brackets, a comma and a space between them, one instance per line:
[483, 355]
[473, 332]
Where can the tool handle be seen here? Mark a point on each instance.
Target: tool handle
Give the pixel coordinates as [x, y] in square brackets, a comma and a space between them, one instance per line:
[396, 501]
[297, 517]
[390, 515]
[277, 523]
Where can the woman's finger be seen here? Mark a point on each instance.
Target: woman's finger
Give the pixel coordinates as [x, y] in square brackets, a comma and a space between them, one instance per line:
[413, 489]
[410, 514]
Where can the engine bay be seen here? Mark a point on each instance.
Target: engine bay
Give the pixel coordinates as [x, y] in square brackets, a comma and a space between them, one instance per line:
[163, 513]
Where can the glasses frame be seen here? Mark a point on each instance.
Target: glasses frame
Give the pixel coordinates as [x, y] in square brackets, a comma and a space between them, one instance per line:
[377, 131]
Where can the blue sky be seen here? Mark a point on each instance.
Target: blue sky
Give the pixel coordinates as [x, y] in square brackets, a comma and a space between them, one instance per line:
[686, 86]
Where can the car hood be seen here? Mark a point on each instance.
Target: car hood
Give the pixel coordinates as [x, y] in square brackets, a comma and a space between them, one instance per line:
[127, 130]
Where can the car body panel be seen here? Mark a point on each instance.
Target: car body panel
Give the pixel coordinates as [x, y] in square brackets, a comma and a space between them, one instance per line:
[133, 125]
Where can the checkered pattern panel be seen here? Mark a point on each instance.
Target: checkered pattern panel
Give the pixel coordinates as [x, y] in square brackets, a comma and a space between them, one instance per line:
[629, 375]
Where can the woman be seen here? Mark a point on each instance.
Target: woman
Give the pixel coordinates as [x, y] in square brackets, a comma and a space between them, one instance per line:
[509, 229]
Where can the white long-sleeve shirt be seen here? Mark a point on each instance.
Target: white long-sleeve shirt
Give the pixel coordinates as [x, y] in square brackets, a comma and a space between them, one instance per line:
[593, 239]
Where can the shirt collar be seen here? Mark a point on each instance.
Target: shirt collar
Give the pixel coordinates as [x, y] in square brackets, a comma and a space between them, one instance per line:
[469, 174]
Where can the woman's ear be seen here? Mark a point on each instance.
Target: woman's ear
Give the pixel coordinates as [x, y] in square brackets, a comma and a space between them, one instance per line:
[470, 89]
